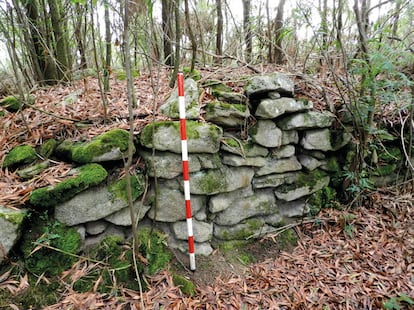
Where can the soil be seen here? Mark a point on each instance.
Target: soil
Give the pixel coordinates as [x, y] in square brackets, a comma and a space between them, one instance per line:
[227, 263]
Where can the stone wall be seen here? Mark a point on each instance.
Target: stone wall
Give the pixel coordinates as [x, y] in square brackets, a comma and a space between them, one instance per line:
[256, 161]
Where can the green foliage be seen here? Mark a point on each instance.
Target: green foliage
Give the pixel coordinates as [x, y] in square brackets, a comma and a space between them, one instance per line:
[20, 155]
[396, 303]
[324, 198]
[195, 74]
[87, 176]
[153, 246]
[47, 148]
[186, 286]
[118, 189]
[50, 247]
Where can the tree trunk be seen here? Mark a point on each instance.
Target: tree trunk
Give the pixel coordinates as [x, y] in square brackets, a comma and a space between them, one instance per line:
[191, 35]
[80, 12]
[60, 44]
[177, 42]
[108, 45]
[219, 33]
[278, 54]
[167, 16]
[247, 28]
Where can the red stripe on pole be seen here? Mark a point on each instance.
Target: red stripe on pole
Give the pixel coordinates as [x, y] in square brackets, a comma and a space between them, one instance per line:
[188, 212]
[183, 129]
[186, 177]
[191, 244]
[185, 170]
[180, 80]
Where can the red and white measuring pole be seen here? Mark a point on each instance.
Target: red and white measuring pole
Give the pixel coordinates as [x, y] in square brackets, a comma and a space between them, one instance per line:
[186, 176]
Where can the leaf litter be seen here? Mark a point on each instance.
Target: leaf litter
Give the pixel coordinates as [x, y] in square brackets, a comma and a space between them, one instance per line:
[330, 268]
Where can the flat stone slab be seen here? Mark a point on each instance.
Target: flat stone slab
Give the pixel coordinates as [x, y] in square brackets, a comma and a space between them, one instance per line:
[261, 203]
[166, 136]
[276, 165]
[306, 120]
[226, 114]
[263, 84]
[225, 179]
[272, 108]
[202, 231]
[266, 133]
[298, 191]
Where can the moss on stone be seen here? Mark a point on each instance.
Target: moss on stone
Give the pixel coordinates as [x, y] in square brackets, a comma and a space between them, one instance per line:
[64, 149]
[152, 245]
[47, 148]
[287, 239]
[212, 182]
[15, 217]
[20, 155]
[33, 170]
[212, 106]
[113, 139]
[186, 286]
[118, 189]
[121, 74]
[195, 74]
[86, 176]
[147, 133]
[55, 246]
[324, 198]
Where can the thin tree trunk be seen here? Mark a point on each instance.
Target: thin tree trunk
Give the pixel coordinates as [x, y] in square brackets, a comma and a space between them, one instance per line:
[191, 35]
[247, 30]
[60, 43]
[108, 45]
[278, 54]
[177, 42]
[167, 13]
[219, 33]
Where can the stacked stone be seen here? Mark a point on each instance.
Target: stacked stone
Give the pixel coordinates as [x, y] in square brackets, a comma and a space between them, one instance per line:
[239, 187]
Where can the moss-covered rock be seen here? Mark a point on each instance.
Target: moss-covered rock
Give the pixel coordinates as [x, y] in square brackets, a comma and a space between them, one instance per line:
[33, 170]
[11, 221]
[119, 189]
[195, 74]
[186, 286]
[85, 177]
[50, 248]
[112, 145]
[15, 103]
[20, 155]
[47, 148]
[165, 136]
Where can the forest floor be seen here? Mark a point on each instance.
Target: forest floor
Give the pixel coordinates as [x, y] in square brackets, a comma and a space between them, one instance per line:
[353, 258]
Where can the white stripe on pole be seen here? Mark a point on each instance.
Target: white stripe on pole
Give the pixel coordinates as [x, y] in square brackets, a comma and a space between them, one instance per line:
[186, 177]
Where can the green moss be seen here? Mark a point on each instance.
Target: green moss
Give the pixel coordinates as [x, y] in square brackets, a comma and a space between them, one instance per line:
[237, 251]
[153, 246]
[87, 176]
[195, 74]
[33, 170]
[186, 286]
[385, 170]
[2, 113]
[324, 198]
[287, 239]
[64, 149]
[118, 189]
[14, 103]
[113, 139]
[212, 181]
[20, 155]
[392, 154]
[212, 106]
[13, 216]
[121, 74]
[147, 133]
[51, 262]
[48, 148]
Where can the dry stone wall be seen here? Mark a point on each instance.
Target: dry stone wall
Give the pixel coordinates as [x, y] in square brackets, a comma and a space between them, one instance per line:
[256, 159]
